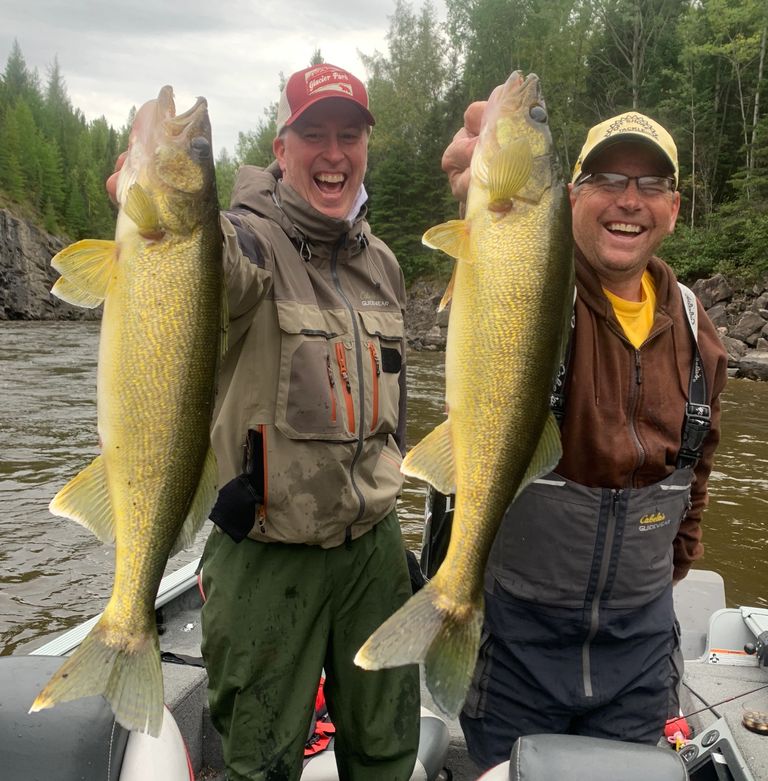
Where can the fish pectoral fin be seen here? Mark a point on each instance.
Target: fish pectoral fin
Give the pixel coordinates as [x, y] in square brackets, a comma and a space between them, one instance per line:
[86, 268]
[428, 629]
[451, 237]
[509, 170]
[448, 295]
[432, 460]
[548, 453]
[85, 500]
[202, 504]
[142, 210]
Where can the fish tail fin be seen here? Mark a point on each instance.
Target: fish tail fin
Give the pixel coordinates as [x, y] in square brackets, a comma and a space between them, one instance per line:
[129, 678]
[429, 629]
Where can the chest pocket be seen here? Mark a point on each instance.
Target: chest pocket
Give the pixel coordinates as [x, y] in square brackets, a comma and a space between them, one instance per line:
[383, 361]
[310, 403]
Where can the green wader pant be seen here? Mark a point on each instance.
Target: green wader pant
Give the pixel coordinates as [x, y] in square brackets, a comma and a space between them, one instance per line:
[275, 616]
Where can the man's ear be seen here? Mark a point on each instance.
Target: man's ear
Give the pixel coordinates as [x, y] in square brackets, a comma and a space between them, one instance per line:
[675, 211]
[278, 149]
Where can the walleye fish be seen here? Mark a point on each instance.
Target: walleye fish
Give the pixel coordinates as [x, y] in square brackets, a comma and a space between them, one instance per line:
[154, 483]
[512, 293]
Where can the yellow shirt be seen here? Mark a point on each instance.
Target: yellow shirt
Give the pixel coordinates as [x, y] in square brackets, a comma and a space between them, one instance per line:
[636, 317]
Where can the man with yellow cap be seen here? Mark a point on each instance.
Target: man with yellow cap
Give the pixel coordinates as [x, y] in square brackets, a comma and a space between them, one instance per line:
[580, 632]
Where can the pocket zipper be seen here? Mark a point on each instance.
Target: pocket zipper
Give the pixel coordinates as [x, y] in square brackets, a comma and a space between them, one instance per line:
[341, 359]
[332, 384]
[375, 372]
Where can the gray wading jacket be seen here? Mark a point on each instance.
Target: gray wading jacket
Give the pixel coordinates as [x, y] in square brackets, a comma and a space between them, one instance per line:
[314, 373]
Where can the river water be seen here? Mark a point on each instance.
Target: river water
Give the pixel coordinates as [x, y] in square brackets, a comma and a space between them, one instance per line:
[54, 573]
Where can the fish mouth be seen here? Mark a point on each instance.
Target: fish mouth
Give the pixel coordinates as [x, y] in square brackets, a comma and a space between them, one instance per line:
[524, 89]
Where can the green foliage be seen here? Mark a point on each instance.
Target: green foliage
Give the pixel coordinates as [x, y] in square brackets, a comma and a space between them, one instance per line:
[53, 163]
[409, 94]
[698, 66]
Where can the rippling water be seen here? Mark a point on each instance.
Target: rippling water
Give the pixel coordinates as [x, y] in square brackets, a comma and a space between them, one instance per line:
[54, 573]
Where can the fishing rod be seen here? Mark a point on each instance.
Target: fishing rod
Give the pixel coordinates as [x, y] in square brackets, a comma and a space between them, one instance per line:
[722, 702]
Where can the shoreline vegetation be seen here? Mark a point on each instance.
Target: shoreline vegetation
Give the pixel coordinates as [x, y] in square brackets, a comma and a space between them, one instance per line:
[699, 68]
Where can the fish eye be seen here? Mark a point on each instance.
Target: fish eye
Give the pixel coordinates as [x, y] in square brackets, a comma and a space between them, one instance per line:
[538, 113]
[200, 147]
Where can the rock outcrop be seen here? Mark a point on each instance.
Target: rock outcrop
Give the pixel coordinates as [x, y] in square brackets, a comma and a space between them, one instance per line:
[26, 276]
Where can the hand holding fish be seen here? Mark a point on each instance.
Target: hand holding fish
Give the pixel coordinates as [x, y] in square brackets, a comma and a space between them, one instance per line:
[458, 153]
[111, 183]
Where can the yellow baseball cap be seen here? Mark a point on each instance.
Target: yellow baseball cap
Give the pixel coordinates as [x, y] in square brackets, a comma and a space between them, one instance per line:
[631, 126]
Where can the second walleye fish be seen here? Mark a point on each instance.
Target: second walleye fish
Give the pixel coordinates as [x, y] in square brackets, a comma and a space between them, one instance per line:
[512, 293]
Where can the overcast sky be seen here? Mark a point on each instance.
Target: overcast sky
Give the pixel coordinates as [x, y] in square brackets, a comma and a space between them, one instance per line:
[114, 55]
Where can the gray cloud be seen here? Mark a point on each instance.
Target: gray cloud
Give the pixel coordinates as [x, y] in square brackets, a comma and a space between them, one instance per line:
[115, 55]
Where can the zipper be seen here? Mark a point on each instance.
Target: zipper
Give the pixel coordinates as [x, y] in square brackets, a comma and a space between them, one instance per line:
[594, 609]
[341, 360]
[634, 401]
[361, 385]
[261, 515]
[375, 373]
[332, 386]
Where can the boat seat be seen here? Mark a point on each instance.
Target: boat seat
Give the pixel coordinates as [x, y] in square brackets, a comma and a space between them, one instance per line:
[551, 757]
[59, 742]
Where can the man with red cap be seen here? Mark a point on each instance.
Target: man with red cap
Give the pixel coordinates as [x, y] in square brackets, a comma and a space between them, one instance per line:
[306, 558]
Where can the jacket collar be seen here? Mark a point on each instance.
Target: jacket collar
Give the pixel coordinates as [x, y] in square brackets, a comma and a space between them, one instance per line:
[591, 290]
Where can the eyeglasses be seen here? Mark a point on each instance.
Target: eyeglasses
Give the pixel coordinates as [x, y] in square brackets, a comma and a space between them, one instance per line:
[618, 183]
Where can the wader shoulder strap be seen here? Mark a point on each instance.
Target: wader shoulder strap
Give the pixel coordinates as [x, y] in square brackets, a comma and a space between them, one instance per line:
[697, 421]
[557, 395]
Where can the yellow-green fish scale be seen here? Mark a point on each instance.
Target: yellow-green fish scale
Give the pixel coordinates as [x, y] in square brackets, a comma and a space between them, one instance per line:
[506, 323]
[157, 363]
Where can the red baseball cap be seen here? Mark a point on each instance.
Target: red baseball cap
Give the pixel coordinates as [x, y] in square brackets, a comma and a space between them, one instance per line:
[318, 82]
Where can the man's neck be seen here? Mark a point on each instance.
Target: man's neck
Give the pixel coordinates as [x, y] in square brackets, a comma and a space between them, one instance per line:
[628, 289]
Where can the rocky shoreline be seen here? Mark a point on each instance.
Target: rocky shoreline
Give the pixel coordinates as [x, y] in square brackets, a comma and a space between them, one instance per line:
[738, 310]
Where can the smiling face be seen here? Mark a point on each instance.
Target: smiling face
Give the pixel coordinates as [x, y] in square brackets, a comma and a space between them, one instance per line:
[620, 232]
[323, 155]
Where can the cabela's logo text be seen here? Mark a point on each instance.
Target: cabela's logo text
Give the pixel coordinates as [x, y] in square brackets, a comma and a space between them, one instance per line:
[653, 521]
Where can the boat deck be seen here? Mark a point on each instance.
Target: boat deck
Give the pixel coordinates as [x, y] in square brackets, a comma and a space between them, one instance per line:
[699, 602]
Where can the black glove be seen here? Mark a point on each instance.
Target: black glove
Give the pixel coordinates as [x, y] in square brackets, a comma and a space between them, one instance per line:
[235, 509]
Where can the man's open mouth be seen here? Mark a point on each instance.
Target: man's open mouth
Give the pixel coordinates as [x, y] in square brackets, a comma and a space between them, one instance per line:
[331, 184]
[624, 229]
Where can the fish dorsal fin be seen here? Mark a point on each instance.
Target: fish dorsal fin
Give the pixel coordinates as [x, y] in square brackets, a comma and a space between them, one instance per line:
[85, 499]
[509, 170]
[548, 453]
[86, 268]
[142, 210]
[448, 295]
[451, 237]
[202, 504]
[432, 460]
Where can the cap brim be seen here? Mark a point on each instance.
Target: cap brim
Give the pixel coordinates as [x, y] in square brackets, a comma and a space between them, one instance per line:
[296, 114]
